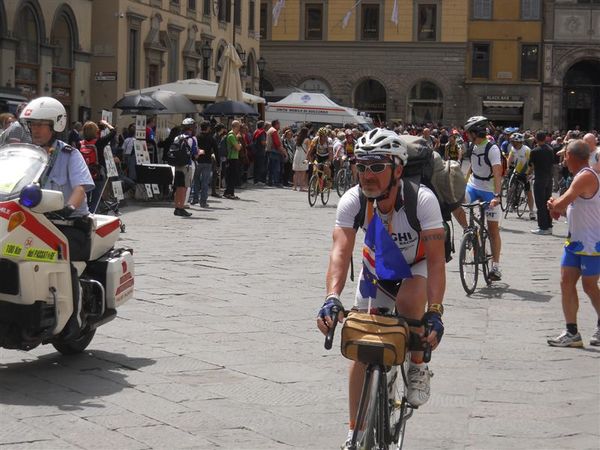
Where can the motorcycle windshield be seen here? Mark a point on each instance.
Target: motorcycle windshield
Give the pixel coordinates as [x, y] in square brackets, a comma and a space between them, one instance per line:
[20, 165]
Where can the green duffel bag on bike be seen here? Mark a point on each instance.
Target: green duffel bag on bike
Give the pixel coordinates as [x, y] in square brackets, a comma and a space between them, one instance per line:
[374, 339]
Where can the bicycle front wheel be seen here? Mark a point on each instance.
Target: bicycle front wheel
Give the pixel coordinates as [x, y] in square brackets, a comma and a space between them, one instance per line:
[326, 192]
[504, 194]
[366, 420]
[340, 181]
[522, 205]
[467, 263]
[313, 190]
[485, 255]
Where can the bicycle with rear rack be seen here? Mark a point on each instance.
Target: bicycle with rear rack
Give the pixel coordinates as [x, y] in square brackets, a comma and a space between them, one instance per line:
[343, 178]
[475, 248]
[319, 184]
[383, 410]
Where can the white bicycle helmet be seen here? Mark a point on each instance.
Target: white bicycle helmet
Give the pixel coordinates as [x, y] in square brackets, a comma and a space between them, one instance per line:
[517, 137]
[380, 142]
[476, 124]
[188, 121]
[46, 108]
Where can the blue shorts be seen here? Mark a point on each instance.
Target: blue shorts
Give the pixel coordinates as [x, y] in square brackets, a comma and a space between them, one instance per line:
[473, 194]
[589, 265]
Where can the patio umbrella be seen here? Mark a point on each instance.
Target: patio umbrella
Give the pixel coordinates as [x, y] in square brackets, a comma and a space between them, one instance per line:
[174, 103]
[229, 108]
[138, 102]
[230, 84]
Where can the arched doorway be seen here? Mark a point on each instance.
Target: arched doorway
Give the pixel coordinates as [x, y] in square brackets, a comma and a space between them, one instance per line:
[425, 103]
[371, 97]
[581, 95]
[62, 40]
[28, 29]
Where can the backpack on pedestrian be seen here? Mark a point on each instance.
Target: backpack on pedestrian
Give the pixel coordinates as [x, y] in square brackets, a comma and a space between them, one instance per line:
[180, 152]
[89, 152]
[424, 166]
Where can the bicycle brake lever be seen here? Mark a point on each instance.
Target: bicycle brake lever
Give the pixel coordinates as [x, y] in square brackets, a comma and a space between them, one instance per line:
[329, 338]
[427, 345]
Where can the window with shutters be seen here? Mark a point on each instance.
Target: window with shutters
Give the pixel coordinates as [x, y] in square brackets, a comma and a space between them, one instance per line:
[313, 28]
[369, 22]
[482, 9]
[530, 9]
[530, 62]
[480, 61]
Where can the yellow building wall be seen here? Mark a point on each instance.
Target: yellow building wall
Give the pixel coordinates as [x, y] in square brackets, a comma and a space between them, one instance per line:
[506, 9]
[493, 30]
[454, 16]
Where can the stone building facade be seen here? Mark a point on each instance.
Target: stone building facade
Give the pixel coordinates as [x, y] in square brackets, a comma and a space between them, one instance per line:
[571, 69]
[142, 43]
[45, 49]
[406, 63]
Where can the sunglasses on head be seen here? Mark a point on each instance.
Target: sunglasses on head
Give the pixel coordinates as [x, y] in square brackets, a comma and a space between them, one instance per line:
[374, 167]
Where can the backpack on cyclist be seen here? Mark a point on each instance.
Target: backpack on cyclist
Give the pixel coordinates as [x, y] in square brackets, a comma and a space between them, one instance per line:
[486, 159]
[180, 152]
[422, 167]
[90, 155]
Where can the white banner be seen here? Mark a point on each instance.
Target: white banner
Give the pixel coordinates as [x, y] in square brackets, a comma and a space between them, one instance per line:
[118, 190]
[277, 11]
[395, 17]
[111, 167]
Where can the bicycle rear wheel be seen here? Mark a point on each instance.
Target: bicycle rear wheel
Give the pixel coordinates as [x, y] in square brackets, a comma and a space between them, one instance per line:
[366, 419]
[326, 192]
[340, 182]
[313, 190]
[467, 263]
[510, 199]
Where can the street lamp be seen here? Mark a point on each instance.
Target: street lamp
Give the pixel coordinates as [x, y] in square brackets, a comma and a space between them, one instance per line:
[242, 55]
[261, 63]
[206, 54]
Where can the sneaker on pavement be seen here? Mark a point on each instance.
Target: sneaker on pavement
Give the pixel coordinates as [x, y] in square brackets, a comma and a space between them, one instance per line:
[495, 274]
[204, 205]
[532, 216]
[595, 339]
[182, 212]
[566, 339]
[541, 232]
[418, 384]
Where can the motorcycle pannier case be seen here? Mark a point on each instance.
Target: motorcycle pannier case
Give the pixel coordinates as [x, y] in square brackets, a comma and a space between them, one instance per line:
[373, 339]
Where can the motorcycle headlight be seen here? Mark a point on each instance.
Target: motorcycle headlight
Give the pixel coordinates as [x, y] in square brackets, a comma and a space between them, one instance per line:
[31, 196]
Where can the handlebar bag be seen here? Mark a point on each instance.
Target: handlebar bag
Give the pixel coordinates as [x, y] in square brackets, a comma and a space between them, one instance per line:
[374, 339]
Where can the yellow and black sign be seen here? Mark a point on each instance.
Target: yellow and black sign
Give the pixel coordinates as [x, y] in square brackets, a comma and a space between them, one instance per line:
[39, 254]
[14, 250]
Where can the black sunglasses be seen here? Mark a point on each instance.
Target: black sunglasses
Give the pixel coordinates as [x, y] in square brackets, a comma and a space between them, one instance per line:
[375, 168]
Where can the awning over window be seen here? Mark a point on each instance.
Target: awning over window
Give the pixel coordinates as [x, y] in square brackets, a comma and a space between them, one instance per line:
[502, 104]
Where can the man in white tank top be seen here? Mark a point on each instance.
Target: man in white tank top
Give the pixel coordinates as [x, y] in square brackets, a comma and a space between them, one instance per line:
[581, 255]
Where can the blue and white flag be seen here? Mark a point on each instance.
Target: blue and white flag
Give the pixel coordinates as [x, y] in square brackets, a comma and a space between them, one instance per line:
[394, 17]
[388, 258]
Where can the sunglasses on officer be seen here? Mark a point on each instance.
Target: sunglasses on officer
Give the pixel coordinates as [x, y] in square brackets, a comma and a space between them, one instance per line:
[374, 167]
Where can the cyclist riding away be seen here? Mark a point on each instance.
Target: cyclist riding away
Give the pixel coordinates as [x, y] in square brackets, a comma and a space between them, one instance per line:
[400, 268]
[519, 157]
[485, 182]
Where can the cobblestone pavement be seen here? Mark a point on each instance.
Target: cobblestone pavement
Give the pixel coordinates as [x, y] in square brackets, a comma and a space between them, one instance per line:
[219, 349]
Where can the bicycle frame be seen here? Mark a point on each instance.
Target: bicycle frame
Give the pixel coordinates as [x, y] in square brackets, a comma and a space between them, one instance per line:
[474, 239]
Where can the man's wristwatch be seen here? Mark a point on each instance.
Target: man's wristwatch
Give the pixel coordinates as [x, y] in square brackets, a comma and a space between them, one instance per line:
[436, 308]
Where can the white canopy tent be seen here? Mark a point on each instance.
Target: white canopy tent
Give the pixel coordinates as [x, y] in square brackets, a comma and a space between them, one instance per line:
[196, 89]
[311, 107]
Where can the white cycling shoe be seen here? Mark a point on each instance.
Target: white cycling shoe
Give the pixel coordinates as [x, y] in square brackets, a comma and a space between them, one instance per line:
[419, 377]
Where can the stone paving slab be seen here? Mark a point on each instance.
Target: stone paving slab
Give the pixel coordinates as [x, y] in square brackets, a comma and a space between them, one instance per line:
[219, 349]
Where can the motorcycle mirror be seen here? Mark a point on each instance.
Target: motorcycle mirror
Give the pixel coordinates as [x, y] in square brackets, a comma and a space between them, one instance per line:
[31, 196]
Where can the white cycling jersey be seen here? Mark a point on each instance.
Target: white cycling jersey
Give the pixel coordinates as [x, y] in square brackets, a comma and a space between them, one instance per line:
[403, 235]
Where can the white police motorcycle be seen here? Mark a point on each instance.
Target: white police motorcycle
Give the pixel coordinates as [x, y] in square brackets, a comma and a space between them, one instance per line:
[36, 290]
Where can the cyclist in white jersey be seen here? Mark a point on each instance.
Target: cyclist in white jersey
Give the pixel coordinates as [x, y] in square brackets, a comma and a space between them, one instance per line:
[484, 183]
[419, 278]
[518, 156]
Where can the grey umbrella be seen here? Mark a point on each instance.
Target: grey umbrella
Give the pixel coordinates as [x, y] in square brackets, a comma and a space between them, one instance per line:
[174, 103]
[229, 108]
[138, 102]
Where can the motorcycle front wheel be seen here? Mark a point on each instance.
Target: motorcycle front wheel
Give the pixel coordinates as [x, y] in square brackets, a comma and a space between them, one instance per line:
[74, 346]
